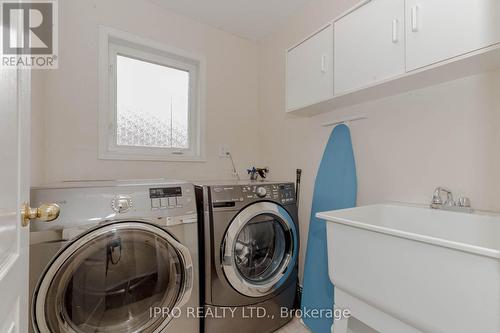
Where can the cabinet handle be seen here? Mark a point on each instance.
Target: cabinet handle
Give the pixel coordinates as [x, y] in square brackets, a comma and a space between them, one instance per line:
[395, 37]
[414, 19]
[323, 63]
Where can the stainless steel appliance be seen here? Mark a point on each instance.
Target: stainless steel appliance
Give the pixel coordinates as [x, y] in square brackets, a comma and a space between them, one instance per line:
[121, 256]
[250, 243]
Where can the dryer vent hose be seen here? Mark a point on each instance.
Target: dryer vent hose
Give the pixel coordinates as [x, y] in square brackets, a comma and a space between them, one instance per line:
[298, 174]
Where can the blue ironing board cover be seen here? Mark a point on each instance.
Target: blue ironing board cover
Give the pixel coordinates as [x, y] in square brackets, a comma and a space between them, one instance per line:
[335, 188]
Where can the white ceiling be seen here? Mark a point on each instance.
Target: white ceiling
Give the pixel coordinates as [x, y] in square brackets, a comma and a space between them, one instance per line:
[252, 19]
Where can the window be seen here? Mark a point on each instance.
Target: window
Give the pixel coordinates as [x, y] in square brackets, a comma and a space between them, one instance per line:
[150, 105]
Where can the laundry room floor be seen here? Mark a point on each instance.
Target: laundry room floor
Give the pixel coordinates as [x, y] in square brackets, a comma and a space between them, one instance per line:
[295, 326]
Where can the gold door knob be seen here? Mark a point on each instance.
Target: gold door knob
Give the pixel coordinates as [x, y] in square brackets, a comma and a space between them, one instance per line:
[46, 212]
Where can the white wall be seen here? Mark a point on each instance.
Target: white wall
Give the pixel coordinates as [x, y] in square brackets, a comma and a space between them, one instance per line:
[65, 101]
[442, 135]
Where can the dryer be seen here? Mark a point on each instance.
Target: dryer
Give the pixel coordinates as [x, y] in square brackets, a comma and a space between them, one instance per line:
[121, 257]
[250, 248]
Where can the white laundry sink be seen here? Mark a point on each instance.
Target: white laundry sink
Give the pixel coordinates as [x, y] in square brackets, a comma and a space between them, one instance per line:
[413, 269]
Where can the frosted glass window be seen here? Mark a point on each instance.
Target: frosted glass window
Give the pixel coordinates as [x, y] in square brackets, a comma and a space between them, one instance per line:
[152, 104]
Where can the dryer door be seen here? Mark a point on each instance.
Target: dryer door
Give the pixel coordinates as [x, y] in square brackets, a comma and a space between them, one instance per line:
[260, 249]
[111, 278]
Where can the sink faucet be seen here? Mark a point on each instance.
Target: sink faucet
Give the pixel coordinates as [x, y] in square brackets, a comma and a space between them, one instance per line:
[462, 205]
[437, 202]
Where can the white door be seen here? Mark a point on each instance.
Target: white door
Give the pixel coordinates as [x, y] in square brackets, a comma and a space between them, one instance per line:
[369, 45]
[14, 190]
[309, 70]
[441, 29]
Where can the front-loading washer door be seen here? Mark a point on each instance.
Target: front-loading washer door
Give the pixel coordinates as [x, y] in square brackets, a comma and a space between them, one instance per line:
[260, 249]
[111, 279]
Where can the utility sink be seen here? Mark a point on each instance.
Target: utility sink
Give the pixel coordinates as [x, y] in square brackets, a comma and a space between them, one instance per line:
[402, 268]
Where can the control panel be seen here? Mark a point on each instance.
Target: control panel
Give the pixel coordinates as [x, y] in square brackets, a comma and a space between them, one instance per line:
[223, 196]
[166, 204]
[287, 193]
[261, 191]
[166, 197]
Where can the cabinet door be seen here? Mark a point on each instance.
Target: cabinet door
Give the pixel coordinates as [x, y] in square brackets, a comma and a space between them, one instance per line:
[441, 29]
[369, 45]
[309, 76]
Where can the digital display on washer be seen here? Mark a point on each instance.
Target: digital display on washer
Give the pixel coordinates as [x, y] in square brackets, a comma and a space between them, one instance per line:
[165, 192]
[287, 193]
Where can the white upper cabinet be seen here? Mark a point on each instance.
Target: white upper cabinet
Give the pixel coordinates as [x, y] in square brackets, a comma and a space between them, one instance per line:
[309, 72]
[369, 45]
[438, 30]
[386, 47]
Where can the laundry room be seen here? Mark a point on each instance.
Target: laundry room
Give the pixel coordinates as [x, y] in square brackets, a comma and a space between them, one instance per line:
[309, 166]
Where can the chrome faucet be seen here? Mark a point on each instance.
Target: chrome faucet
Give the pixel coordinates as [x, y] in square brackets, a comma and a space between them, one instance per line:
[461, 205]
[437, 202]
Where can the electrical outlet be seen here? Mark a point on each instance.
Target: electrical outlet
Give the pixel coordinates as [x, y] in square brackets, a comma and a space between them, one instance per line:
[224, 150]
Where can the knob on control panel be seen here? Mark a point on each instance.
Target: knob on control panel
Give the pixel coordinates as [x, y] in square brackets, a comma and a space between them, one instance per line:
[261, 192]
[121, 203]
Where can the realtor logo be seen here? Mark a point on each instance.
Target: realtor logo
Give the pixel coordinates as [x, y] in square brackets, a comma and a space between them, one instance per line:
[29, 33]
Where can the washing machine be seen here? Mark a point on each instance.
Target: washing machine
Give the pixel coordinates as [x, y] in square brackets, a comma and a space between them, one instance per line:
[121, 257]
[250, 243]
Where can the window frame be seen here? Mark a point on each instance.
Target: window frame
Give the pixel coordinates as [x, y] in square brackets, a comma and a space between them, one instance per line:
[113, 43]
